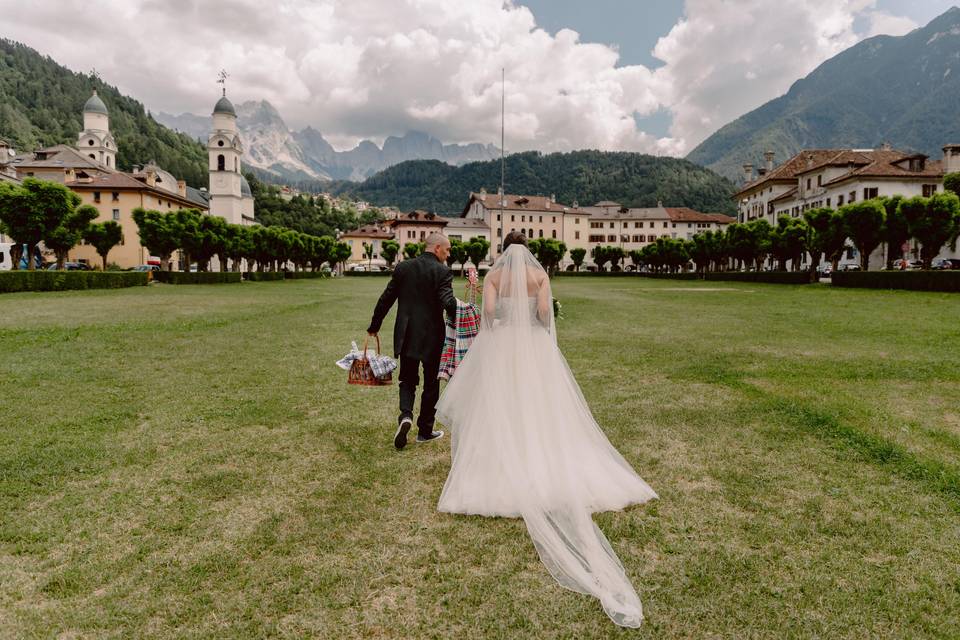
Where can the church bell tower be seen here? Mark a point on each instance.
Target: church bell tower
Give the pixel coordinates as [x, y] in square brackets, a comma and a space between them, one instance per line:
[225, 149]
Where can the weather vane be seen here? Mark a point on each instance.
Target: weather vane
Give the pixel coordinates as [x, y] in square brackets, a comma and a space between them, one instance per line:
[222, 79]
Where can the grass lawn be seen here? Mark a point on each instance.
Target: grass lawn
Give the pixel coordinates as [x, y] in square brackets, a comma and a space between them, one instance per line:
[188, 462]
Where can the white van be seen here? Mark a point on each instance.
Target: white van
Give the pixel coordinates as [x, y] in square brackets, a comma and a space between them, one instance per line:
[6, 263]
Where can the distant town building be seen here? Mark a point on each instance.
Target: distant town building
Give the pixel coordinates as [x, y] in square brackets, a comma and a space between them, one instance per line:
[90, 170]
[372, 235]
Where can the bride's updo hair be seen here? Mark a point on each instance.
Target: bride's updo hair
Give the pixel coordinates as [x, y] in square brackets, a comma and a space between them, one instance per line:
[514, 237]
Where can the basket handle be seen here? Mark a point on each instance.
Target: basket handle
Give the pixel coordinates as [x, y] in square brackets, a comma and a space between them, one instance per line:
[366, 340]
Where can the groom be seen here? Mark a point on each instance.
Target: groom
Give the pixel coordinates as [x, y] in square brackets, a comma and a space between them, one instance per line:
[424, 289]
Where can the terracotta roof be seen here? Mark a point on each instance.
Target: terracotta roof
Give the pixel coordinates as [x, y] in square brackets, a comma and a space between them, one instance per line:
[60, 156]
[369, 231]
[418, 217]
[789, 170]
[685, 214]
[635, 213]
[539, 204]
[126, 182]
[466, 223]
[884, 165]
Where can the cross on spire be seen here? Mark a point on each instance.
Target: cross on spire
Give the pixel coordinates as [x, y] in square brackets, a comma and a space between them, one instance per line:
[222, 79]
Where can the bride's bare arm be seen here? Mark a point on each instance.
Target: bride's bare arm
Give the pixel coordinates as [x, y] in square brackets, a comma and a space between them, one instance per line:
[490, 298]
[544, 302]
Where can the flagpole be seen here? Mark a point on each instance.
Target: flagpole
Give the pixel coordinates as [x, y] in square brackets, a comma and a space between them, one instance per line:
[503, 193]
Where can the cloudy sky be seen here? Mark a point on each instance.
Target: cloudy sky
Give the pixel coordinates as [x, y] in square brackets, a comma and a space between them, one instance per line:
[644, 75]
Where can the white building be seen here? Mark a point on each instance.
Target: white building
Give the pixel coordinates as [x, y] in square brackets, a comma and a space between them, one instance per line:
[230, 195]
[832, 178]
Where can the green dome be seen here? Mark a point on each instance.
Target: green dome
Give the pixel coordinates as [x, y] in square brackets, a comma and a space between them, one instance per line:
[95, 105]
[224, 106]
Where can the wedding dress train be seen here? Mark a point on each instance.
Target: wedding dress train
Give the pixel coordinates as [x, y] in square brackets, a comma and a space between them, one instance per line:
[525, 443]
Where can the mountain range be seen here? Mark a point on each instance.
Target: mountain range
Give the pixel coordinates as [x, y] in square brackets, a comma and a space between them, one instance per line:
[632, 179]
[271, 147]
[900, 90]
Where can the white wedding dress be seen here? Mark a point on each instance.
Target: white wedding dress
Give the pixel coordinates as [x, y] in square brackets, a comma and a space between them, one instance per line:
[526, 445]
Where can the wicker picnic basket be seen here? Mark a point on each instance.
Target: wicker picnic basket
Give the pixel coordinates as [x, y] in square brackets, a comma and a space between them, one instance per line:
[361, 373]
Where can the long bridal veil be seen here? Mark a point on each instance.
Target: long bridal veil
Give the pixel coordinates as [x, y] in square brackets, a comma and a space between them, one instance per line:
[525, 443]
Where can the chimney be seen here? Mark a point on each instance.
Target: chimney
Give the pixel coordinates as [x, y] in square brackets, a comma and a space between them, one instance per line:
[483, 192]
[182, 188]
[886, 146]
[951, 158]
[576, 205]
[748, 172]
[151, 176]
[768, 156]
[553, 197]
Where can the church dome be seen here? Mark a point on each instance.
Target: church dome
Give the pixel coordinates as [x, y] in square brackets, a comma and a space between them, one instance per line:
[224, 106]
[245, 188]
[95, 105]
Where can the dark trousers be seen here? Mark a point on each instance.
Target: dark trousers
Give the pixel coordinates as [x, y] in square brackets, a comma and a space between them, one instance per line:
[410, 380]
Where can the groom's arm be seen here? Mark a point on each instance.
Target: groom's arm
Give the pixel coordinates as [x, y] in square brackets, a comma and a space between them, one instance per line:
[445, 294]
[387, 298]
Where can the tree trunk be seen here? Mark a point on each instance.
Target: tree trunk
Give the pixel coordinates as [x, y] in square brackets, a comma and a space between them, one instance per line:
[61, 259]
[864, 259]
[31, 263]
[104, 256]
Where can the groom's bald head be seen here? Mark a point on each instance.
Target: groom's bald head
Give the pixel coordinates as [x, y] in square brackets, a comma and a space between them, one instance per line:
[439, 245]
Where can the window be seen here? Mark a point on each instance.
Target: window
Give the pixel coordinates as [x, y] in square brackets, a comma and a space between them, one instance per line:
[638, 238]
[820, 180]
[554, 219]
[664, 225]
[852, 197]
[596, 225]
[596, 239]
[576, 235]
[530, 233]
[674, 225]
[116, 214]
[828, 202]
[611, 225]
[808, 183]
[611, 238]
[689, 225]
[423, 234]
[624, 238]
[499, 234]
[575, 220]
[219, 143]
[869, 192]
[553, 234]
[513, 218]
[116, 196]
[929, 190]
[221, 163]
[523, 218]
[96, 196]
[90, 142]
[839, 201]
[541, 219]
[498, 217]
[540, 232]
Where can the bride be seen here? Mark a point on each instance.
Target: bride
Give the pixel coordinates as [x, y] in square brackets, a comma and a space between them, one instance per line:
[525, 443]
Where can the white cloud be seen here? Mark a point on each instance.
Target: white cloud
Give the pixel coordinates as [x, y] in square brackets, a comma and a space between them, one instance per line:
[882, 22]
[372, 68]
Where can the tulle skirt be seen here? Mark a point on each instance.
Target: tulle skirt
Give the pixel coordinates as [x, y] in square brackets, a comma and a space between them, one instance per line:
[522, 433]
[525, 444]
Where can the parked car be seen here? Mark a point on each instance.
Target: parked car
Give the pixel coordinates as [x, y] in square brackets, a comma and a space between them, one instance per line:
[358, 267]
[147, 267]
[849, 267]
[825, 270]
[946, 264]
[70, 266]
[6, 262]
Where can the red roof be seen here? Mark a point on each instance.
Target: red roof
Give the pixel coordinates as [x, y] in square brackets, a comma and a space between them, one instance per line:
[539, 204]
[685, 214]
[418, 217]
[369, 231]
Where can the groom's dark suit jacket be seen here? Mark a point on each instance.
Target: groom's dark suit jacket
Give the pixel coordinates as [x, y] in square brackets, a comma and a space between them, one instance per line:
[424, 288]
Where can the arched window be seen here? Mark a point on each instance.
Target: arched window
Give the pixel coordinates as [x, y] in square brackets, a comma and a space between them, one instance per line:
[221, 163]
[236, 164]
[92, 157]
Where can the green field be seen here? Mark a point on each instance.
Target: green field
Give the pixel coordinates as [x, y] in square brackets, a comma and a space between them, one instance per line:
[185, 462]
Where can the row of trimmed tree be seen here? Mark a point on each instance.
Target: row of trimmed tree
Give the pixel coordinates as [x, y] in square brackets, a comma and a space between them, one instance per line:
[37, 211]
[821, 234]
[201, 237]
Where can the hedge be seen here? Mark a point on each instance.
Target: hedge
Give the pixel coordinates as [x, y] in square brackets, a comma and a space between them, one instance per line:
[912, 280]
[689, 275]
[301, 275]
[13, 281]
[770, 277]
[197, 277]
[367, 274]
[595, 274]
[262, 276]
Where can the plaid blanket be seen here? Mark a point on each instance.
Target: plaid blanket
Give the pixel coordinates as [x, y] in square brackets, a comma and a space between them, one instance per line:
[379, 363]
[460, 335]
